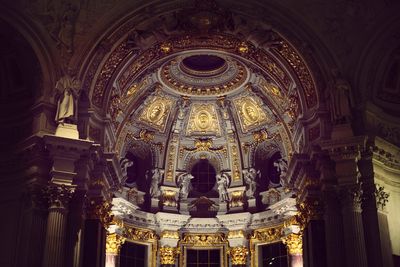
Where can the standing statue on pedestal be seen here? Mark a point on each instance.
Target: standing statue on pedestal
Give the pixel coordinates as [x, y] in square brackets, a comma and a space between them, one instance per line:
[341, 100]
[68, 91]
[250, 176]
[156, 178]
[222, 182]
[184, 184]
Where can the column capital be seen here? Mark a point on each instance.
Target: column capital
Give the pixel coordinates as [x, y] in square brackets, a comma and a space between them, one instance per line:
[98, 208]
[114, 243]
[381, 196]
[59, 195]
[168, 255]
[294, 243]
[238, 255]
[351, 196]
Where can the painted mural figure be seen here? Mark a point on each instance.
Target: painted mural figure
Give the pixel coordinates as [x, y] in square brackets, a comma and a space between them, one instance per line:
[250, 176]
[184, 185]
[156, 178]
[68, 90]
[222, 182]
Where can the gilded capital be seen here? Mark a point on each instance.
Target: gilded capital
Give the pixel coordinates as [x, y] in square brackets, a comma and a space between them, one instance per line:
[168, 255]
[238, 255]
[113, 243]
[294, 243]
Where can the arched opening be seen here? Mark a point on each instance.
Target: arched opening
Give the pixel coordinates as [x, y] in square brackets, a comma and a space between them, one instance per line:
[204, 178]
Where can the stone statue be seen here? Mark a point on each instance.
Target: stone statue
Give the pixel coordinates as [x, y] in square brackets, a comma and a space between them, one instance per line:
[156, 178]
[250, 176]
[222, 182]
[125, 163]
[68, 91]
[184, 185]
[341, 100]
[281, 167]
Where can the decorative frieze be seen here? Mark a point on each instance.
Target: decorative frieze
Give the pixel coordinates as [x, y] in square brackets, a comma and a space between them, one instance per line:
[204, 240]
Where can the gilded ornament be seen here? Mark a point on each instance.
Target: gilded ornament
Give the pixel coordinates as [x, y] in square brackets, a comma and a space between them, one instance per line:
[168, 255]
[113, 243]
[236, 234]
[204, 145]
[237, 199]
[204, 240]
[203, 120]
[268, 234]
[138, 234]
[238, 255]
[250, 114]
[169, 198]
[170, 234]
[294, 243]
[157, 113]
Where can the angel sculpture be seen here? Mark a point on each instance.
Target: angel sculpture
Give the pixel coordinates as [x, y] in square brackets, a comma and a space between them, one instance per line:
[184, 184]
[68, 90]
[156, 178]
[222, 182]
[250, 176]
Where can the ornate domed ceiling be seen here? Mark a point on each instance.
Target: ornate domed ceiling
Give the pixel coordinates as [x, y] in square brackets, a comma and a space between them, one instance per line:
[203, 118]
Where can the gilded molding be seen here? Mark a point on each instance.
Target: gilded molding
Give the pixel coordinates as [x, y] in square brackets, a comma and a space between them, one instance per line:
[268, 235]
[170, 234]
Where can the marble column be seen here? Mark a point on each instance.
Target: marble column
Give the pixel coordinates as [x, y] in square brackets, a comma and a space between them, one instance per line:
[350, 198]
[333, 228]
[113, 247]
[294, 244]
[239, 255]
[168, 255]
[369, 209]
[54, 250]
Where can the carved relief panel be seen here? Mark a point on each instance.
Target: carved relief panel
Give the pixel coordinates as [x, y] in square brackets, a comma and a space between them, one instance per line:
[250, 113]
[156, 112]
[203, 120]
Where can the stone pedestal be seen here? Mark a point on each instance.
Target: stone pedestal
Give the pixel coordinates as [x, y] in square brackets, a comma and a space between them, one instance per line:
[183, 207]
[223, 208]
[154, 204]
[67, 130]
[251, 204]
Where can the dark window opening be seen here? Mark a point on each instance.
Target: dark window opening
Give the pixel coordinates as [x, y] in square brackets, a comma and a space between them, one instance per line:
[274, 255]
[203, 258]
[204, 176]
[132, 255]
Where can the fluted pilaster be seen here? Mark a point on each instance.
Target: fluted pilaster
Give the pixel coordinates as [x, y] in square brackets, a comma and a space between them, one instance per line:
[351, 200]
[59, 197]
[333, 229]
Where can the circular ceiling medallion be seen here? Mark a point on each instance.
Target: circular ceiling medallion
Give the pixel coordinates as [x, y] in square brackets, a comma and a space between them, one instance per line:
[203, 73]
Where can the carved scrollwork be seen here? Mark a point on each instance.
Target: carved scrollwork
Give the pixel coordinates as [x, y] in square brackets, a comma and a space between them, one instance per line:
[294, 243]
[59, 196]
[114, 243]
[238, 255]
[382, 197]
[204, 240]
[168, 255]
